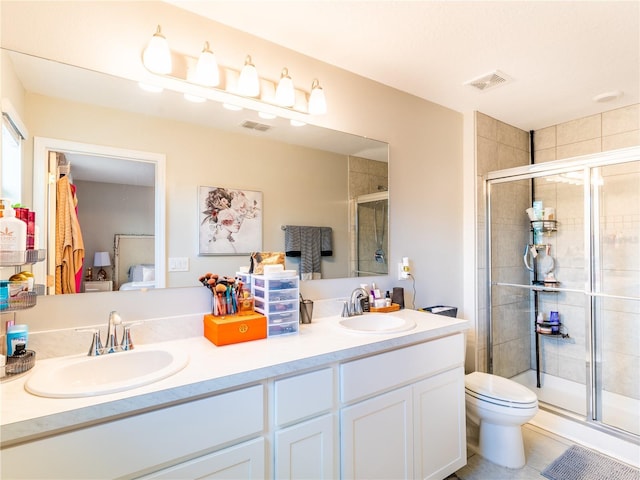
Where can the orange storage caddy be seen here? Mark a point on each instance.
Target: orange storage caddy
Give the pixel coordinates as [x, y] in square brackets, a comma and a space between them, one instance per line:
[227, 329]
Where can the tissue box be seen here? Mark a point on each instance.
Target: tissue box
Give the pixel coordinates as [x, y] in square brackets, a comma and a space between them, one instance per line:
[227, 329]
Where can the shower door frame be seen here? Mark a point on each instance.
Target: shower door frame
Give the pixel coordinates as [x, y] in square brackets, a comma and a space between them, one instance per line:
[586, 163]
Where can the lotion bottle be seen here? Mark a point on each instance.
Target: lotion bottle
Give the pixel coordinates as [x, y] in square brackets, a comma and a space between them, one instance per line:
[13, 233]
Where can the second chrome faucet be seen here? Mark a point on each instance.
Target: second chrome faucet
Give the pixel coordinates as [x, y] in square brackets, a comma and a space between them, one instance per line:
[112, 345]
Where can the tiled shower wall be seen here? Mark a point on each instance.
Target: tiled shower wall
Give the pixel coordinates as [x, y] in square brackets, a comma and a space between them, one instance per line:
[502, 146]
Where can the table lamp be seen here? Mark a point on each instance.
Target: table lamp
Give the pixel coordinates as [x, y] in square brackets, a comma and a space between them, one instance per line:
[101, 259]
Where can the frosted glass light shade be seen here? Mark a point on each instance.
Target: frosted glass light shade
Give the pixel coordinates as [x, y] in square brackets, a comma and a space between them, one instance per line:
[157, 56]
[285, 93]
[249, 82]
[317, 101]
[207, 72]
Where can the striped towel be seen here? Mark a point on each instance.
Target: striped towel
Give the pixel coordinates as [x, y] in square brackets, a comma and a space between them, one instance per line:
[310, 244]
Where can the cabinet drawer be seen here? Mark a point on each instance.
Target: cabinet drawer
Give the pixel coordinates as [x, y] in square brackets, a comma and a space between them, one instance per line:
[367, 376]
[276, 307]
[160, 436]
[302, 396]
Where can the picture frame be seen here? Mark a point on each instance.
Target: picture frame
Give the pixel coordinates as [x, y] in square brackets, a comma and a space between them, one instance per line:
[230, 221]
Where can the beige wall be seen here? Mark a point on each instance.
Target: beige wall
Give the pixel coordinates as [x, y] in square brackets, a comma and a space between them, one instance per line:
[425, 139]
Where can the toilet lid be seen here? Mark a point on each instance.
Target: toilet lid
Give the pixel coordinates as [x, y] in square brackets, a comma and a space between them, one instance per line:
[498, 388]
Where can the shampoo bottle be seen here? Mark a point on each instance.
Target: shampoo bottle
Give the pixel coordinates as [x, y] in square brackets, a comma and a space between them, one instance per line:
[13, 234]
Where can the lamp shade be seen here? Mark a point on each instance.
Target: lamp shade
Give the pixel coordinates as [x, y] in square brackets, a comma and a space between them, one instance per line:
[157, 56]
[285, 93]
[249, 82]
[317, 101]
[207, 72]
[101, 259]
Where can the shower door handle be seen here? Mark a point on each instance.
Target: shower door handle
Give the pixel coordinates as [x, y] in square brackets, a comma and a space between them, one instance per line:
[525, 258]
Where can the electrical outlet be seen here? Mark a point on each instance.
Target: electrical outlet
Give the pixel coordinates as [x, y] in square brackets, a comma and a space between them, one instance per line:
[179, 264]
[403, 272]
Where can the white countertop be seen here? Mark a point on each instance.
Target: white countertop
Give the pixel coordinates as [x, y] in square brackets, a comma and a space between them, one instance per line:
[211, 369]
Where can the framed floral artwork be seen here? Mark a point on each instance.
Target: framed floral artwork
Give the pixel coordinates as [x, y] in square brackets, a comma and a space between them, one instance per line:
[230, 221]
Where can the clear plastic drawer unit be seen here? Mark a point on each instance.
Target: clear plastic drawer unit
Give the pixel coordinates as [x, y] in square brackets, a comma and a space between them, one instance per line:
[278, 298]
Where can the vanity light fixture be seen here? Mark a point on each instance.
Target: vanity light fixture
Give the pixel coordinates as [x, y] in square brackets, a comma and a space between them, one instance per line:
[202, 79]
[285, 93]
[317, 101]
[157, 56]
[249, 82]
[207, 72]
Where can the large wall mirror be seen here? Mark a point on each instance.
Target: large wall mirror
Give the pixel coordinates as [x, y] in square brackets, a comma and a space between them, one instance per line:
[140, 160]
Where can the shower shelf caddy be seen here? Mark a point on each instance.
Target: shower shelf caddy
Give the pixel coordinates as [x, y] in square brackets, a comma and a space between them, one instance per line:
[541, 286]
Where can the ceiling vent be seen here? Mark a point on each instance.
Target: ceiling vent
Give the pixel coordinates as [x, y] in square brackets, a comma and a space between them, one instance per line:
[261, 127]
[489, 80]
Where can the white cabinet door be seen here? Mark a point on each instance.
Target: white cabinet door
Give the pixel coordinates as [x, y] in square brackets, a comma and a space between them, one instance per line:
[245, 461]
[306, 450]
[440, 430]
[376, 440]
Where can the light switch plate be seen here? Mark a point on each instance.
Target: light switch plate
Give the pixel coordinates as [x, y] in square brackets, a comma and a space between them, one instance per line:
[179, 264]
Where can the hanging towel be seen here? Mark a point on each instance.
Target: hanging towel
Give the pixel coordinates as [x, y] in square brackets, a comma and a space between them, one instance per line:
[306, 243]
[292, 245]
[311, 244]
[69, 244]
[326, 249]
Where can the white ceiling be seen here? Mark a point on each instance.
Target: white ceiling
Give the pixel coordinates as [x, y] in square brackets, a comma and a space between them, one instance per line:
[559, 54]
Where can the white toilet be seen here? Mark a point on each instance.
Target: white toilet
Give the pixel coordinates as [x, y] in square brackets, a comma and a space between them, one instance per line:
[500, 407]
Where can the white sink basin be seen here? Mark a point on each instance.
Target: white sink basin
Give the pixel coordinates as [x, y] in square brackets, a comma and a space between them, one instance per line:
[377, 323]
[84, 376]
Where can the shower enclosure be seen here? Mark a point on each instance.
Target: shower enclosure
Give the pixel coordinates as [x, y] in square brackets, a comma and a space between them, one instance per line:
[372, 234]
[575, 252]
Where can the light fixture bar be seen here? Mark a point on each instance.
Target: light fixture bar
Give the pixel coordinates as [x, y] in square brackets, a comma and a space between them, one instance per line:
[202, 77]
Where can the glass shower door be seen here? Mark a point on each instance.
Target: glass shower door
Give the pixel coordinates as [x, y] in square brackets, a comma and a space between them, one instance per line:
[538, 266]
[616, 295]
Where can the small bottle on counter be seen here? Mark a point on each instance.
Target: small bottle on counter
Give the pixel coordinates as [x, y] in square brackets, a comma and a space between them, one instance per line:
[365, 302]
[16, 335]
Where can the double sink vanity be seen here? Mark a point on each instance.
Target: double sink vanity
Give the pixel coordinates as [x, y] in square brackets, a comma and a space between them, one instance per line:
[372, 396]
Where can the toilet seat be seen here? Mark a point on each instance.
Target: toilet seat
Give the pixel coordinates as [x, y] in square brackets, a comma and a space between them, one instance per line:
[499, 391]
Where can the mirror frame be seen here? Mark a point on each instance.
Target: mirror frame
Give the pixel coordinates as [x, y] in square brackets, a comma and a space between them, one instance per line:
[42, 194]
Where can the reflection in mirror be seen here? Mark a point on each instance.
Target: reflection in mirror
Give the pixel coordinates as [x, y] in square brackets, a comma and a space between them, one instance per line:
[308, 175]
[116, 191]
[372, 234]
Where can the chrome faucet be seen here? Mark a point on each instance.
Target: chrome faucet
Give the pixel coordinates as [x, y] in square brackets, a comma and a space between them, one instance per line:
[111, 345]
[112, 341]
[355, 307]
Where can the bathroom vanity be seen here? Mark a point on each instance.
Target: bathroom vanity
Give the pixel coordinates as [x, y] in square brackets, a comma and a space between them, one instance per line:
[326, 403]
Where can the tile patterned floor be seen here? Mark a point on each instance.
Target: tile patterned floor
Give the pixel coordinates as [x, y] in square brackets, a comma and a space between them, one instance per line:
[540, 446]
